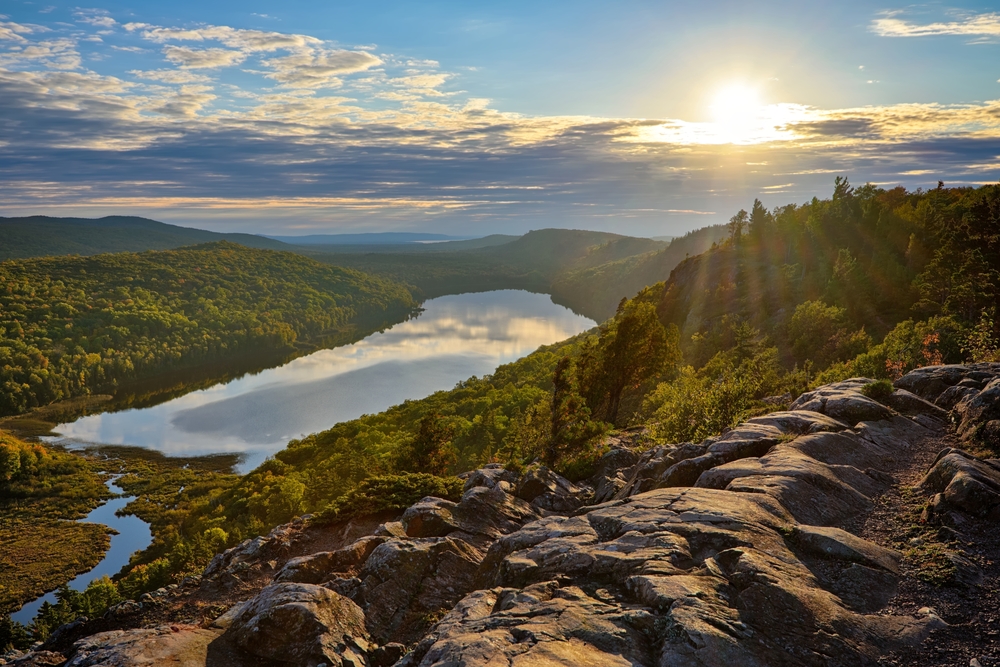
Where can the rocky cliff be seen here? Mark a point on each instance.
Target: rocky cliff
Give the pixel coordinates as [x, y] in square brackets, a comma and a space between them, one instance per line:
[845, 531]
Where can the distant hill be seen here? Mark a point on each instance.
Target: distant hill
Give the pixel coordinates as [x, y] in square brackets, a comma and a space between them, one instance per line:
[40, 236]
[596, 289]
[531, 262]
[89, 324]
[413, 247]
[370, 238]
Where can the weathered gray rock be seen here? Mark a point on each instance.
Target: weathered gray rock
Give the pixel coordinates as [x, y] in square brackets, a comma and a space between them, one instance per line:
[799, 422]
[612, 473]
[546, 490]
[907, 403]
[979, 416]
[648, 472]
[491, 475]
[964, 483]
[319, 567]
[484, 512]
[668, 577]
[40, 659]
[164, 645]
[844, 402]
[820, 479]
[405, 582]
[841, 545]
[930, 381]
[301, 624]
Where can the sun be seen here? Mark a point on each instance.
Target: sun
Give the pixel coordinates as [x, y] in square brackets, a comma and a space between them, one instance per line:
[736, 106]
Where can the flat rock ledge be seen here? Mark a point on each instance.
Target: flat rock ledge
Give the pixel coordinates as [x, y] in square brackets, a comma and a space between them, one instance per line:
[732, 551]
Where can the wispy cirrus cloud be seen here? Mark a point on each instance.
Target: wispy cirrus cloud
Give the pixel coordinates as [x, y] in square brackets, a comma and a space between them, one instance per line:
[892, 24]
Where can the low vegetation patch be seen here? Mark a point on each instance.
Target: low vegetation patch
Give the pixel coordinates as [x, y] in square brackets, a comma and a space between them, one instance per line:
[390, 492]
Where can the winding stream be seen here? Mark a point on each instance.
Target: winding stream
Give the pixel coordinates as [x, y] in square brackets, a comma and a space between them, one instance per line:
[133, 535]
[454, 338]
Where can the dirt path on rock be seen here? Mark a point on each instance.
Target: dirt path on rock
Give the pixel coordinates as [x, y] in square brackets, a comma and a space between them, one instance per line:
[955, 571]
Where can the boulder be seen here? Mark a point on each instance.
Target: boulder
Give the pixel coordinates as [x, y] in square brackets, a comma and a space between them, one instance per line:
[649, 471]
[483, 512]
[979, 416]
[930, 381]
[546, 490]
[821, 479]
[907, 403]
[799, 422]
[40, 659]
[164, 645]
[301, 624]
[491, 475]
[844, 402]
[404, 583]
[612, 473]
[319, 567]
[964, 482]
[841, 545]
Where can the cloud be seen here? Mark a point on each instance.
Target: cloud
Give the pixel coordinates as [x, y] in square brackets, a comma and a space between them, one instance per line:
[98, 21]
[170, 76]
[388, 147]
[185, 103]
[202, 58]
[13, 32]
[59, 54]
[318, 69]
[245, 40]
[890, 25]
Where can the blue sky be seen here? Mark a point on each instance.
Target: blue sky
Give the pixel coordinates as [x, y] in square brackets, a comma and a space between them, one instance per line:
[638, 117]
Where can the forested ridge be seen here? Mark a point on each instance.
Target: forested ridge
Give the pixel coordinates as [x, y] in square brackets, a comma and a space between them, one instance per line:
[43, 236]
[831, 281]
[75, 325]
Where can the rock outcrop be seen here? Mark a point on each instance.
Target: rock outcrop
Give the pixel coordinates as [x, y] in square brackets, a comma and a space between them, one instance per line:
[735, 550]
[302, 624]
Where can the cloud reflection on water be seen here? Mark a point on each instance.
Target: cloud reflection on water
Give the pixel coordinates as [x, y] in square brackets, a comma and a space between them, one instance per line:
[454, 338]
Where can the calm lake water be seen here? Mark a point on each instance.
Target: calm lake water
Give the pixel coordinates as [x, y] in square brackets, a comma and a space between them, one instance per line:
[454, 338]
[133, 535]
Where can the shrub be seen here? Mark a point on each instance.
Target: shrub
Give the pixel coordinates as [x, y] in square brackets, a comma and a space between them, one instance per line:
[878, 391]
[390, 492]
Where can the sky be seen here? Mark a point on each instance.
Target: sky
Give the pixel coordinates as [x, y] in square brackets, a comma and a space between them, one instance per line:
[644, 118]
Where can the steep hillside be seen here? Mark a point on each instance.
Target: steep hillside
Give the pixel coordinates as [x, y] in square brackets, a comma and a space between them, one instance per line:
[529, 262]
[595, 290]
[75, 325]
[827, 279]
[40, 236]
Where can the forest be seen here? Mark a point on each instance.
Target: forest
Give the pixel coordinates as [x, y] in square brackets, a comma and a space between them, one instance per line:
[868, 282]
[72, 326]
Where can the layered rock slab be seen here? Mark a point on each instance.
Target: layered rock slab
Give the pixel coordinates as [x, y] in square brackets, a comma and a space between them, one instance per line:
[684, 577]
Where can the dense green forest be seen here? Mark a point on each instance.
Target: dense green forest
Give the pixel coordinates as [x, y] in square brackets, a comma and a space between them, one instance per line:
[915, 272]
[42, 236]
[74, 325]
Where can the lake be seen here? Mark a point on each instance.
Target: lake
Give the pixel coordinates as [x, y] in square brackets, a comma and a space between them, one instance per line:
[454, 338]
